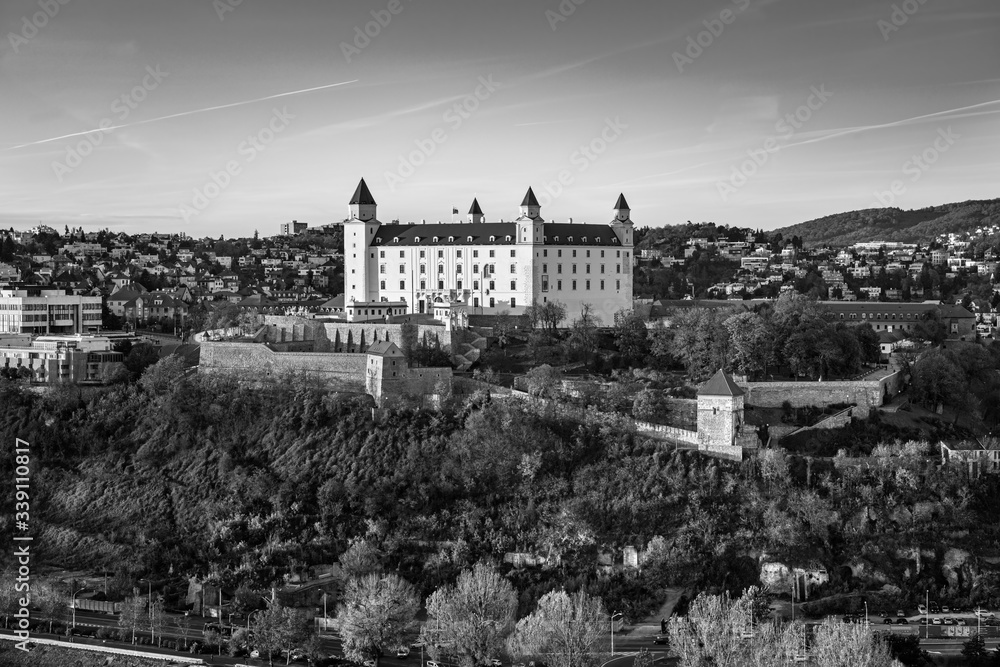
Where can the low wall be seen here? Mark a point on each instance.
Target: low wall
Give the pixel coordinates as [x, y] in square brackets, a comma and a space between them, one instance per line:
[659, 431]
[345, 372]
[4, 635]
[865, 394]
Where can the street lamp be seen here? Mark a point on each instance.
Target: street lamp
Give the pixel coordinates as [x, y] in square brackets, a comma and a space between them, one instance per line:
[74, 605]
[615, 615]
[248, 620]
[866, 612]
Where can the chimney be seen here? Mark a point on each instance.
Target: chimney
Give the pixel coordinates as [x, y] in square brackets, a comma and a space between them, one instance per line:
[571, 221]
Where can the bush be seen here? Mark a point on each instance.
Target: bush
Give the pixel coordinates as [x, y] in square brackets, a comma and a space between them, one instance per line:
[107, 633]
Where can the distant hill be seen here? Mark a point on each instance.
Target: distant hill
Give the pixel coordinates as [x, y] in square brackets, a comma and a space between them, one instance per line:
[893, 224]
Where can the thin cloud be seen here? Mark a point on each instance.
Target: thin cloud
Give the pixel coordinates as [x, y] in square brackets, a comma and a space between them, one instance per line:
[183, 113]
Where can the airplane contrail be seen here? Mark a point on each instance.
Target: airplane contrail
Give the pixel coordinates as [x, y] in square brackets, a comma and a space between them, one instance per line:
[182, 113]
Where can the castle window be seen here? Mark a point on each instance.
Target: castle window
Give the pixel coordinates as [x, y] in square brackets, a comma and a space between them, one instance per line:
[469, 240]
[585, 240]
[557, 239]
[459, 254]
[570, 239]
[508, 239]
[513, 286]
[513, 268]
[458, 269]
[513, 253]
[435, 239]
[493, 239]
[381, 254]
[451, 239]
[395, 239]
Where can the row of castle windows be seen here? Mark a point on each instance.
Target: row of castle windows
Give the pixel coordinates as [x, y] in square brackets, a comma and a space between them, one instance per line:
[507, 239]
[475, 253]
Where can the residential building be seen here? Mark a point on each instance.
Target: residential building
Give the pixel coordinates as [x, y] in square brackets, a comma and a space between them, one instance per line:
[34, 309]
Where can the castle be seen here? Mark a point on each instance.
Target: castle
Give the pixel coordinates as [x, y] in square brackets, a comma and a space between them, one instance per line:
[484, 267]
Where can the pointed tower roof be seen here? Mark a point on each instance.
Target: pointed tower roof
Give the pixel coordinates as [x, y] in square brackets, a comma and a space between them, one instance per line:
[621, 203]
[475, 210]
[362, 195]
[529, 198]
[721, 384]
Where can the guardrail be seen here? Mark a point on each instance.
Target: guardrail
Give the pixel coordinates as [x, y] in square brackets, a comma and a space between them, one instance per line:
[104, 649]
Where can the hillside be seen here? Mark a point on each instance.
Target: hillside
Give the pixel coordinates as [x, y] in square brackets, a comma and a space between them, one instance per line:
[893, 224]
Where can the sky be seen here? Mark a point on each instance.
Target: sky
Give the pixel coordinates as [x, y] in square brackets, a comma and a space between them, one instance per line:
[221, 117]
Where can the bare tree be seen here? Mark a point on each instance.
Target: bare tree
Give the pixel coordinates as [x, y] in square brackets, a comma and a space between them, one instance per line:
[376, 612]
[474, 616]
[565, 629]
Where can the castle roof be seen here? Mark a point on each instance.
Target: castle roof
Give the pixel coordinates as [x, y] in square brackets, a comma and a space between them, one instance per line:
[475, 210]
[555, 234]
[362, 195]
[529, 198]
[621, 203]
[721, 384]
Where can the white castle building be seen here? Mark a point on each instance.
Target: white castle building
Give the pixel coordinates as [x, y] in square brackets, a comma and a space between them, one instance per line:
[485, 267]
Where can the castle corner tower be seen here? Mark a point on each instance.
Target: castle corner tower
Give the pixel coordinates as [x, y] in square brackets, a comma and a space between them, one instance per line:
[720, 411]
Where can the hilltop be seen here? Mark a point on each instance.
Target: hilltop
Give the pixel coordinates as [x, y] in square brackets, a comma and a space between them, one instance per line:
[893, 224]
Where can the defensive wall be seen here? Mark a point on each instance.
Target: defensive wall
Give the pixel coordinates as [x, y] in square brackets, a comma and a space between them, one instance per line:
[865, 394]
[345, 372]
[348, 337]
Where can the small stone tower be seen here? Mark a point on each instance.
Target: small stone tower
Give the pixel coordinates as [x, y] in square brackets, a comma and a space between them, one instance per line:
[720, 411]
[362, 206]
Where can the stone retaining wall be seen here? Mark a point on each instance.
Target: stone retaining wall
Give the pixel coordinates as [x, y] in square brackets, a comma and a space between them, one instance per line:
[865, 394]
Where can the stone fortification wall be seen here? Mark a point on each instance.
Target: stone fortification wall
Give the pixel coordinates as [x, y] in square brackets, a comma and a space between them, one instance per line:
[348, 337]
[866, 394]
[345, 372]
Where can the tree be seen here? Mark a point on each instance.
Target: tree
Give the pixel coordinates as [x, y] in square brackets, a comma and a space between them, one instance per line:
[541, 381]
[361, 558]
[837, 644]
[133, 615]
[162, 375]
[376, 612]
[583, 336]
[278, 628]
[474, 616]
[564, 630]
[750, 339]
[631, 335]
[180, 625]
[975, 651]
[937, 380]
[905, 648]
[141, 357]
[502, 328]
[409, 335]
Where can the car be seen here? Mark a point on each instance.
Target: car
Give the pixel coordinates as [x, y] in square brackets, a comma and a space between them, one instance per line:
[848, 619]
[433, 663]
[936, 621]
[924, 621]
[900, 612]
[403, 652]
[948, 621]
[961, 621]
[495, 662]
[661, 639]
[902, 621]
[887, 621]
[945, 610]
[935, 609]
[255, 653]
[921, 609]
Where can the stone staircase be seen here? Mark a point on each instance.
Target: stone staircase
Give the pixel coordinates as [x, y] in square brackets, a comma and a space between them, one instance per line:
[467, 347]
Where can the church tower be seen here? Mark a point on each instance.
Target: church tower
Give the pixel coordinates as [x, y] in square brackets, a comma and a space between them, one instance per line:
[476, 213]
